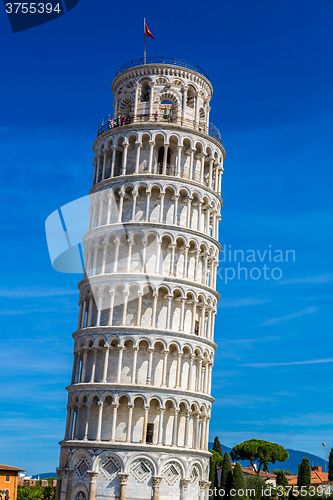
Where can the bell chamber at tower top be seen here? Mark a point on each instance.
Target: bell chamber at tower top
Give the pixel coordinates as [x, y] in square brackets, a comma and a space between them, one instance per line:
[160, 126]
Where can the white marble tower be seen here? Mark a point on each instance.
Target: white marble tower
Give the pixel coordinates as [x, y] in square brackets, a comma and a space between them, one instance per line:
[139, 403]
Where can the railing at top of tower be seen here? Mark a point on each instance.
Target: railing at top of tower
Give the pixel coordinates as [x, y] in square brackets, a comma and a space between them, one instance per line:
[109, 123]
[171, 61]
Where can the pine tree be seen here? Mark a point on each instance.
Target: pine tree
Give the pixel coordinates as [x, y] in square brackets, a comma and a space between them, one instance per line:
[330, 466]
[226, 476]
[304, 473]
[238, 483]
[281, 479]
[217, 446]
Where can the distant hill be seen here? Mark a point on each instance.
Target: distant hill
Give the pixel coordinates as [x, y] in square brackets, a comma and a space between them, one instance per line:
[45, 475]
[295, 457]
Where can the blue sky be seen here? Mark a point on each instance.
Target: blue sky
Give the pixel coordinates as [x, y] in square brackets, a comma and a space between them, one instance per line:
[270, 65]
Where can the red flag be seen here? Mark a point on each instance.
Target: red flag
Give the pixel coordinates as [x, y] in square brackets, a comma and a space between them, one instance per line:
[148, 33]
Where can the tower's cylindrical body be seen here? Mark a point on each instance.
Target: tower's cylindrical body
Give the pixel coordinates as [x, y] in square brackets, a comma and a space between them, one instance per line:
[139, 403]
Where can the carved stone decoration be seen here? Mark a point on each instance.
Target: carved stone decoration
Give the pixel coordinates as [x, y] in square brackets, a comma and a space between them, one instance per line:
[194, 475]
[202, 485]
[110, 467]
[171, 473]
[123, 478]
[157, 481]
[82, 467]
[141, 471]
[184, 483]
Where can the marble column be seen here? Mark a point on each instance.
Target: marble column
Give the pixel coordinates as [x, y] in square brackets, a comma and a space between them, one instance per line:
[106, 364]
[60, 474]
[184, 485]
[156, 487]
[123, 166]
[114, 421]
[92, 484]
[151, 151]
[69, 475]
[99, 421]
[164, 371]
[175, 427]
[86, 428]
[145, 424]
[160, 426]
[137, 157]
[123, 484]
[150, 364]
[129, 423]
[135, 359]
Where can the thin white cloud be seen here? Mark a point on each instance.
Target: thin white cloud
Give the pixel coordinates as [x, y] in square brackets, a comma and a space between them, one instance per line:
[251, 301]
[251, 340]
[15, 312]
[33, 292]
[321, 278]
[290, 363]
[12, 312]
[298, 314]
[243, 400]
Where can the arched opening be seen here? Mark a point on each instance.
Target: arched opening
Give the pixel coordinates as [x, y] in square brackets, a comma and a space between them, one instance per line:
[79, 496]
[166, 109]
[119, 158]
[145, 91]
[202, 119]
[160, 158]
[191, 97]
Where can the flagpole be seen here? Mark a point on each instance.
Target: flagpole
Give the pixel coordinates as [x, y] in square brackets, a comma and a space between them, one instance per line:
[144, 40]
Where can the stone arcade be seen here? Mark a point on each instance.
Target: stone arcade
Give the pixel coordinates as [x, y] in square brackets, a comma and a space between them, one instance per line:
[139, 403]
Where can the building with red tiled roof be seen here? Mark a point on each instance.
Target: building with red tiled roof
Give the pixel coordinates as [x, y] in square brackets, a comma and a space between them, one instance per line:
[318, 478]
[9, 481]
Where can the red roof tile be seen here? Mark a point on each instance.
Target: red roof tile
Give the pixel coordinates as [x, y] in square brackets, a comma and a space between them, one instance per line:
[317, 477]
[9, 467]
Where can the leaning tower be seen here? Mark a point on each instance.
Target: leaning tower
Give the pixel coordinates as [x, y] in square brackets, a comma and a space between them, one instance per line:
[139, 402]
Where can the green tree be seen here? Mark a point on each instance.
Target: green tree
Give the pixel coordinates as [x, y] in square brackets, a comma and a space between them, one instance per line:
[304, 473]
[214, 484]
[238, 483]
[29, 493]
[255, 485]
[286, 472]
[330, 466]
[226, 476]
[48, 492]
[281, 479]
[259, 453]
[216, 457]
[217, 446]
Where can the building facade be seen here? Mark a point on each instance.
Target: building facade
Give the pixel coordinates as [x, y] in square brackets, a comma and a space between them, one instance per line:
[139, 402]
[9, 481]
